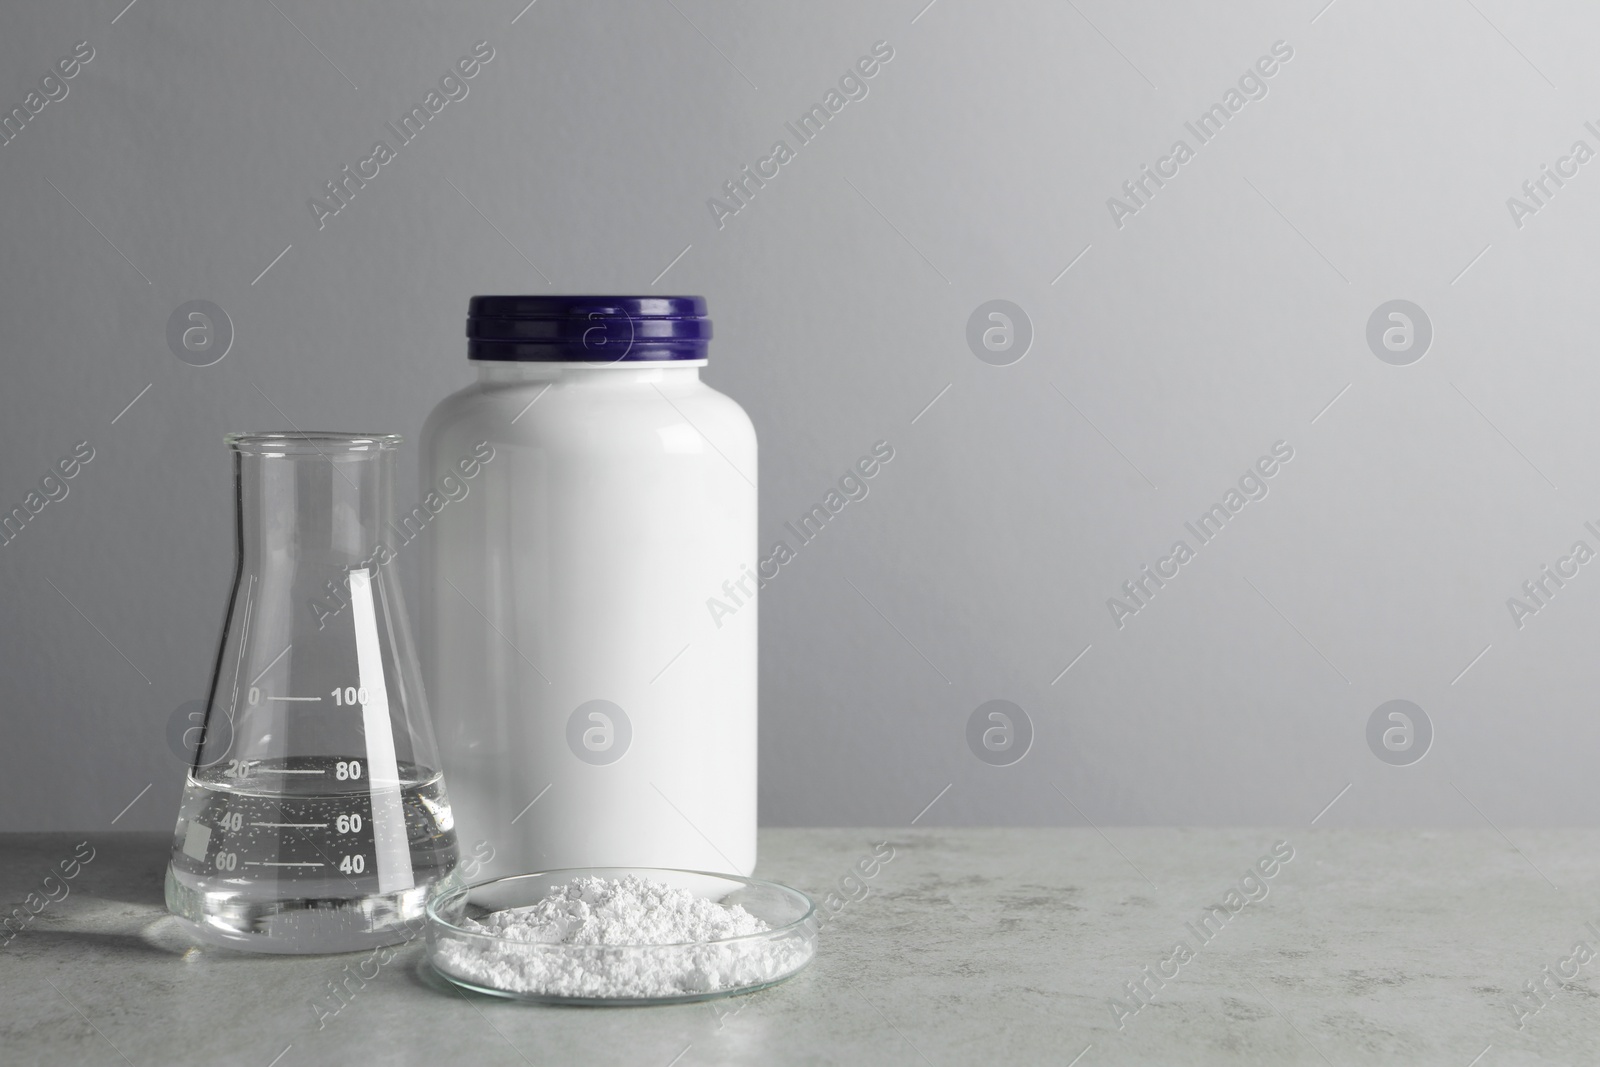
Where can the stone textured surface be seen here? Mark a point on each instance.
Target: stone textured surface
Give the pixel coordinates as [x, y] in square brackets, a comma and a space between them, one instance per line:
[970, 946]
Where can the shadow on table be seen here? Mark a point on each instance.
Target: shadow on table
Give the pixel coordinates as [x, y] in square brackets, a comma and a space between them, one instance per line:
[127, 868]
[145, 892]
[53, 942]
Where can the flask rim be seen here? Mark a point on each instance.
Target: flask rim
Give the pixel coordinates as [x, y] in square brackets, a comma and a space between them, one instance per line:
[323, 443]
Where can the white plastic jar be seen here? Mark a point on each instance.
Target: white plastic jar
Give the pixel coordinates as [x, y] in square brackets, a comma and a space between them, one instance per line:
[588, 496]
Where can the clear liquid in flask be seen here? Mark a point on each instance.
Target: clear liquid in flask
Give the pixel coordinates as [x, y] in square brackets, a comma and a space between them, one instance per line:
[275, 856]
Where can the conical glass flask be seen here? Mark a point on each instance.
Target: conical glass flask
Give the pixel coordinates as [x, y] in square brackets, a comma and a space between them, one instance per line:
[314, 817]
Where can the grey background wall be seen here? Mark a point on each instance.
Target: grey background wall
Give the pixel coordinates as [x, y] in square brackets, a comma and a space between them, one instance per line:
[1228, 313]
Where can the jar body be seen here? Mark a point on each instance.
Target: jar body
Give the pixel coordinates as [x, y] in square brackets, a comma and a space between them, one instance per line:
[591, 708]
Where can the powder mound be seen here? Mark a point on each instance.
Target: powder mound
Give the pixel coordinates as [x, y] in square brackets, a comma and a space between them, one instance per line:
[621, 911]
[570, 944]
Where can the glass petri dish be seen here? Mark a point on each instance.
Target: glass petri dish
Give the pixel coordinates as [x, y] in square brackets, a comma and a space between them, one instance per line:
[620, 975]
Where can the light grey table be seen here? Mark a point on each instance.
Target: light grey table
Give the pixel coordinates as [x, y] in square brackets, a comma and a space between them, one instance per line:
[970, 946]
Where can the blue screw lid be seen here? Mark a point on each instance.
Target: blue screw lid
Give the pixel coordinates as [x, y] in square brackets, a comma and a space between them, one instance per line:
[587, 329]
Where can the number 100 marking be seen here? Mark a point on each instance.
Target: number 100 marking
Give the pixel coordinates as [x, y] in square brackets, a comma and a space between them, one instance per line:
[349, 696]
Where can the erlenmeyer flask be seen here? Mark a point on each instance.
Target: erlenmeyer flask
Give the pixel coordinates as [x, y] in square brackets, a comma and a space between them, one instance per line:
[314, 817]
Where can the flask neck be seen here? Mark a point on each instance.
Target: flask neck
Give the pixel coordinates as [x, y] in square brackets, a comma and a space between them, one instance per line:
[325, 510]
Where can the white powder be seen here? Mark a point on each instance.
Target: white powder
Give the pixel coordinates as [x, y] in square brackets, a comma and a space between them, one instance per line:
[566, 944]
